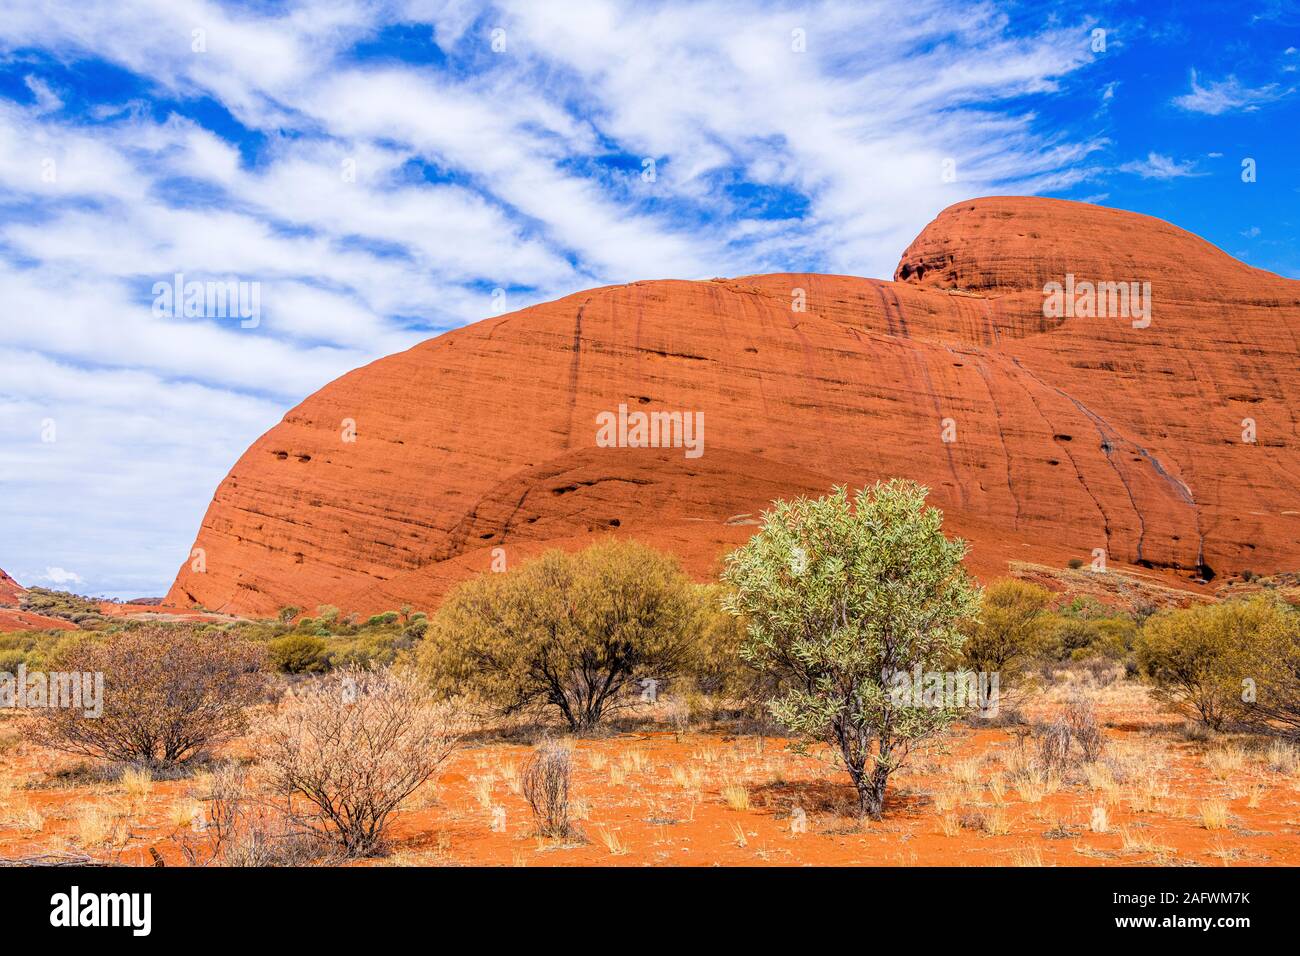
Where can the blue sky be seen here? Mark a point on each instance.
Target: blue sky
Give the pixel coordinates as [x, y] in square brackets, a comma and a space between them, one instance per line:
[381, 170]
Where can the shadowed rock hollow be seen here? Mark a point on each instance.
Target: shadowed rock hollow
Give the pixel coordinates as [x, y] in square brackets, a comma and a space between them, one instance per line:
[1070, 434]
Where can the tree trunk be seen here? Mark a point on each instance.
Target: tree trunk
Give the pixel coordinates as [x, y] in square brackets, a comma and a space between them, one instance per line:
[871, 792]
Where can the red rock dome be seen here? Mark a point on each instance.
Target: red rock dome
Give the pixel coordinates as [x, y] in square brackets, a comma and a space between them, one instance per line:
[1068, 434]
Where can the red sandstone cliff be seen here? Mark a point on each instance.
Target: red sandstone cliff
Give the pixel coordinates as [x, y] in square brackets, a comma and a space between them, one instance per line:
[1071, 433]
[13, 618]
[11, 591]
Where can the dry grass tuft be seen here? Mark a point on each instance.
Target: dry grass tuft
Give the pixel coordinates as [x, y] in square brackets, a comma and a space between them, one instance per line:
[1225, 761]
[136, 783]
[97, 825]
[635, 761]
[1214, 814]
[967, 773]
[612, 842]
[946, 800]
[736, 795]
[708, 755]
[1027, 856]
[21, 815]
[1283, 757]
[688, 778]
[1139, 843]
[995, 823]
[738, 834]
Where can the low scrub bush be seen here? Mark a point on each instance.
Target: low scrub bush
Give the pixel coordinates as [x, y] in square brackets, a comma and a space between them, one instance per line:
[1087, 631]
[1010, 632]
[1085, 728]
[236, 828]
[315, 645]
[1271, 661]
[353, 746]
[298, 654]
[1070, 739]
[62, 604]
[170, 694]
[545, 784]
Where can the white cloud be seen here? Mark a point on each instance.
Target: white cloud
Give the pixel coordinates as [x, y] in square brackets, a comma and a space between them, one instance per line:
[46, 99]
[1156, 166]
[854, 133]
[1227, 95]
[61, 577]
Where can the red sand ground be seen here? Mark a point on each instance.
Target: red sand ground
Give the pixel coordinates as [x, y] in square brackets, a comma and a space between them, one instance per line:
[636, 788]
[12, 619]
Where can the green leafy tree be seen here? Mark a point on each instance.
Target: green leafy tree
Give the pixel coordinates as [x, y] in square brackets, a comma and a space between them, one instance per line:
[841, 598]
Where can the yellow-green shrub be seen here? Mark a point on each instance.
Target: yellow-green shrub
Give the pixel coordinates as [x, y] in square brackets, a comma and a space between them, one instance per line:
[1204, 660]
[298, 654]
[573, 632]
[1011, 630]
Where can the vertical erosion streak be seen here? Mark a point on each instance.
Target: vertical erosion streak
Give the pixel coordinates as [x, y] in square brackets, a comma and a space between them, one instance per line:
[1078, 472]
[1002, 439]
[913, 364]
[573, 369]
[1110, 440]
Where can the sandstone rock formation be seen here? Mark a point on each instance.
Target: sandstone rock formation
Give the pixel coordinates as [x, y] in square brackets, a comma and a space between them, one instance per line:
[11, 591]
[1069, 434]
[13, 618]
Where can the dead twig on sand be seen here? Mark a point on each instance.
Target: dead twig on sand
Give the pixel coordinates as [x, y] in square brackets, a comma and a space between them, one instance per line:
[51, 859]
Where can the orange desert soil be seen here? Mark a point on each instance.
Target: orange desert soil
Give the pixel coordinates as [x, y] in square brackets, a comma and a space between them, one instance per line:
[12, 619]
[654, 799]
[1070, 434]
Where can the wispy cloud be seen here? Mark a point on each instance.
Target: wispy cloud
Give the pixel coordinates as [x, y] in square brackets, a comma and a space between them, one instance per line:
[1228, 95]
[380, 180]
[1156, 166]
[46, 99]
